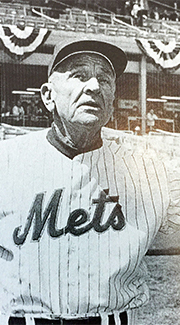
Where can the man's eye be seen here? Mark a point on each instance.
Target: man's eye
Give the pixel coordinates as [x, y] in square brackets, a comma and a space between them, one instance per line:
[80, 76]
[103, 80]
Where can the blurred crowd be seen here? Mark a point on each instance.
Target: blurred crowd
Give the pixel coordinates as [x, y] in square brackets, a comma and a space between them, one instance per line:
[25, 113]
[138, 11]
[158, 13]
[131, 119]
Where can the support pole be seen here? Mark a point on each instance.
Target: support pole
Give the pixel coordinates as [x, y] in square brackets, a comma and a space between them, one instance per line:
[142, 85]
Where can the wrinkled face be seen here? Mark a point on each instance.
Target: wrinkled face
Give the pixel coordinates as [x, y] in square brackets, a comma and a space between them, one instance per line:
[84, 85]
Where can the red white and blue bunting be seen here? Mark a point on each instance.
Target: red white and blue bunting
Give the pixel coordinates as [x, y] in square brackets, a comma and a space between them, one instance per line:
[164, 54]
[22, 41]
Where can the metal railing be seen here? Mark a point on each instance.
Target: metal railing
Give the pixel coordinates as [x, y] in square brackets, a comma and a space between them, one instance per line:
[26, 120]
[136, 118]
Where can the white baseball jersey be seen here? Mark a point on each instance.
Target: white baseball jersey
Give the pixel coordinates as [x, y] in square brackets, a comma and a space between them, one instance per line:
[73, 232]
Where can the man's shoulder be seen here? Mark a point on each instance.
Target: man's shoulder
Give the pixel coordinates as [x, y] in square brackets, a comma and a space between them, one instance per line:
[164, 150]
[127, 141]
[24, 143]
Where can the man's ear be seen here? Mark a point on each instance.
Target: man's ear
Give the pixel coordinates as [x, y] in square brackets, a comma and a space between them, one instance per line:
[48, 96]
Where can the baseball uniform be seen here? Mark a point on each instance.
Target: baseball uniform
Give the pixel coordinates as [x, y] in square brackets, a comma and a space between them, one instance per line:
[73, 232]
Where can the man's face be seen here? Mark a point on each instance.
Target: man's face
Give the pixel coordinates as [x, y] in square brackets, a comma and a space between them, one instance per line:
[84, 85]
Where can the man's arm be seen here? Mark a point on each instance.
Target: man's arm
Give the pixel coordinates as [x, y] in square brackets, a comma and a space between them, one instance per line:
[167, 241]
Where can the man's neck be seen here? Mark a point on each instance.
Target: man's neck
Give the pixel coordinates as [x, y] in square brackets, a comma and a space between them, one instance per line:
[72, 142]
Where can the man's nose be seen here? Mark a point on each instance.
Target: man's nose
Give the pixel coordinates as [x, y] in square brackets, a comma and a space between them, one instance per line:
[92, 85]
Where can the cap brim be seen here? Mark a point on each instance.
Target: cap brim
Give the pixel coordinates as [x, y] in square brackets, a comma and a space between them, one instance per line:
[111, 51]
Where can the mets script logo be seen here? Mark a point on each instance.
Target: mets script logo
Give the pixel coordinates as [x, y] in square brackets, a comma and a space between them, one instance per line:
[76, 220]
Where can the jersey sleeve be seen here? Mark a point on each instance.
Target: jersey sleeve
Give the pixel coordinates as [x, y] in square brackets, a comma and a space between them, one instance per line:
[167, 240]
[173, 212]
[171, 222]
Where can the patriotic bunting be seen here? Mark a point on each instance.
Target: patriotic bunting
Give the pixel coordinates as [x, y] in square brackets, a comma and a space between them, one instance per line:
[164, 54]
[22, 41]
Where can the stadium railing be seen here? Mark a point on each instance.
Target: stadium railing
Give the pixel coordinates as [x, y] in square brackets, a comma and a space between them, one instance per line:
[40, 121]
[159, 121]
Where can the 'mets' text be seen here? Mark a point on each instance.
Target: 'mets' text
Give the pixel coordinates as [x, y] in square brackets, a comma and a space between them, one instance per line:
[76, 222]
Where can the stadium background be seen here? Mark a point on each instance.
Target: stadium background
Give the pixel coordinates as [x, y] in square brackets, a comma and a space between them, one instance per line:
[141, 88]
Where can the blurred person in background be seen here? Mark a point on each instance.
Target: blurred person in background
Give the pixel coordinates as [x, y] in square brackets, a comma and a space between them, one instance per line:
[151, 118]
[18, 112]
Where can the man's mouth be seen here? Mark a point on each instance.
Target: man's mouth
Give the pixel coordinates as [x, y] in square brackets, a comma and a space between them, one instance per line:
[91, 104]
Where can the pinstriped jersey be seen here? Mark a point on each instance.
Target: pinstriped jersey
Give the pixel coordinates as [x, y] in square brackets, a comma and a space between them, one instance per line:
[74, 231]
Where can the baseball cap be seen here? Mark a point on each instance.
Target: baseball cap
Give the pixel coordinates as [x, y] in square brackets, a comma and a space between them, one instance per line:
[111, 52]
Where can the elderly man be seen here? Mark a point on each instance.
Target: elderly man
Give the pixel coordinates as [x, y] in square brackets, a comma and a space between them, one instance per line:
[78, 212]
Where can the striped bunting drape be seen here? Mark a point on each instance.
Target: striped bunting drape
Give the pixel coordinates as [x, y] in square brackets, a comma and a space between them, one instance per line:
[164, 54]
[21, 42]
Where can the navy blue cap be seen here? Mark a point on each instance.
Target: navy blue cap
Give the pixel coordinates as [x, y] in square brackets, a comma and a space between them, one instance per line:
[66, 48]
